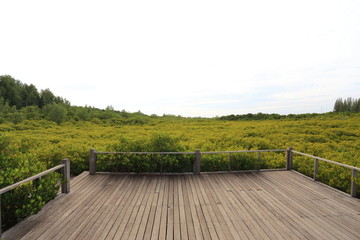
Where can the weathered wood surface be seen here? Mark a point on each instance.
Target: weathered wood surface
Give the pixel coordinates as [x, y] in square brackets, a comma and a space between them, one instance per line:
[259, 205]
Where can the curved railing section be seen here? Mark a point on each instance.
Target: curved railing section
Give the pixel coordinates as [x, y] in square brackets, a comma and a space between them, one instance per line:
[65, 186]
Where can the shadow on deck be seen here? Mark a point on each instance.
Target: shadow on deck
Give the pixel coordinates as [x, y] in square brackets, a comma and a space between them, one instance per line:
[258, 205]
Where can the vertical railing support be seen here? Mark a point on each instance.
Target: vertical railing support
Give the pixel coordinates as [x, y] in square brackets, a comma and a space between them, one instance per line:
[289, 158]
[229, 162]
[353, 183]
[316, 167]
[92, 162]
[197, 162]
[65, 187]
[259, 161]
[0, 218]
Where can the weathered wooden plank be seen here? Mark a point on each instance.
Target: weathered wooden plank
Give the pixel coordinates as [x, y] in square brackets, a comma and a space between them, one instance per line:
[220, 225]
[275, 216]
[279, 208]
[226, 208]
[303, 213]
[34, 224]
[307, 206]
[170, 210]
[163, 219]
[252, 199]
[244, 222]
[100, 219]
[177, 229]
[72, 210]
[133, 223]
[157, 218]
[182, 216]
[192, 203]
[263, 205]
[104, 226]
[132, 209]
[204, 204]
[121, 209]
[150, 214]
[80, 222]
[188, 217]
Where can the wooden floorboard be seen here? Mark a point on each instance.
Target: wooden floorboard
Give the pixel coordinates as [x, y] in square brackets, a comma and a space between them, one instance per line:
[256, 205]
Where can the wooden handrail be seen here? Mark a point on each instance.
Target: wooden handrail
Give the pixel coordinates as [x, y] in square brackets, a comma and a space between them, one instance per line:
[327, 160]
[65, 186]
[196, 168]
[197, 153]
[8, 188]
[139, 153]
[181, 153]
[354, 170]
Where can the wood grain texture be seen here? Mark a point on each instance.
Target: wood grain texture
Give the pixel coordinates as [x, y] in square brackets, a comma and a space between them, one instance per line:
[257, 205]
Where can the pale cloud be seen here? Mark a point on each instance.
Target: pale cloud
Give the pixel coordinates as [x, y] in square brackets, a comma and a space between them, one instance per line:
[194, 58]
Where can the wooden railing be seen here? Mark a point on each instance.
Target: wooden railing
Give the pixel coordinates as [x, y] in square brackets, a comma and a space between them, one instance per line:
[197, 160]
[197, 157]
[65, 186]
[354, 170]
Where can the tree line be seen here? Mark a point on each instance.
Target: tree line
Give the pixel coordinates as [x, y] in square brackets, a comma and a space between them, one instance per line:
[266, 116]
[19, 102]
[20, 95]
[341, 105]
[347, 105]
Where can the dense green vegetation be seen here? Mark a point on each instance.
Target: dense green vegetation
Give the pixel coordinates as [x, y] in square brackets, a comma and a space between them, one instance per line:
[20, 102]
[347, 105]
[36, 132]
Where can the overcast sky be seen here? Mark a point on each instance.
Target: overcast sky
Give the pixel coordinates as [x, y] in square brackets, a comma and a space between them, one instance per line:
[189, 58]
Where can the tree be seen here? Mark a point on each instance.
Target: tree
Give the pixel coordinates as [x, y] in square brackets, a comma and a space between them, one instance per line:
[4, 106]
[10, 90]
[31, 96]
[31, 112]
[16, 117]
[109, 113]
[347, 105]
[46, 97]
[56, 113]
[83, 113]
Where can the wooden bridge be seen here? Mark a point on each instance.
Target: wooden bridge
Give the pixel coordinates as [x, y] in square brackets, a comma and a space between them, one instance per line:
[258, 205]
[262, 204]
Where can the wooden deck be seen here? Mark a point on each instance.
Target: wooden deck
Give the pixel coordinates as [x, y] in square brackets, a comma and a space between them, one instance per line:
[259, 205]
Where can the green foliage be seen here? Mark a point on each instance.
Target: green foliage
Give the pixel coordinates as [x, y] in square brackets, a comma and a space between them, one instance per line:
[16, 117]
[347, 105]
[56, 113]
[19, 94]
[266, 116]
[163, 142]
[35, 145]
[157, 142]
[18, 163]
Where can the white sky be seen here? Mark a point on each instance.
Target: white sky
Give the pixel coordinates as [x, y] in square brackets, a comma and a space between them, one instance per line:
[189, 58]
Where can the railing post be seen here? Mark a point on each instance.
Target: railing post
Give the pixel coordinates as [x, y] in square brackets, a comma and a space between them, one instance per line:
[229, 162]
[197, 162]
[353, 183]
[65, 187]
[0, 218]
[259, 161]
[316, 167]
[92, 162]
[289, 158]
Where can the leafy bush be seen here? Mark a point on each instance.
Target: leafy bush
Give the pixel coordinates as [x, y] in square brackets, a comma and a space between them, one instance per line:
[32, 146]
[30, 197]
[158, 142]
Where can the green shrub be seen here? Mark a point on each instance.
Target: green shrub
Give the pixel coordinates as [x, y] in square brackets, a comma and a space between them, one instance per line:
[27, 199]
